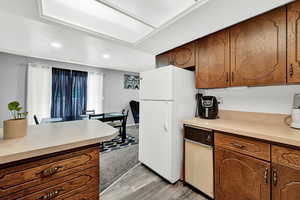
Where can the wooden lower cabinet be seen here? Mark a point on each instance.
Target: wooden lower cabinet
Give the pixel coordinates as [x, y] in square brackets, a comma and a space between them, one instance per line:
[65, 175]
[240, 177]
[249, 147]
[286, 183]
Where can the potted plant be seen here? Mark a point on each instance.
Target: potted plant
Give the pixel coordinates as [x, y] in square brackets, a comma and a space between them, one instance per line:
[16, 127]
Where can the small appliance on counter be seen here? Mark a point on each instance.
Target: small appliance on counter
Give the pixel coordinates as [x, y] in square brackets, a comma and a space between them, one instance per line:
[208, 107]
[296, 112]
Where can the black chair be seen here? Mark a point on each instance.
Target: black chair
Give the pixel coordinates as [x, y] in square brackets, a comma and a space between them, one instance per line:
[36, 120]
[135, 109]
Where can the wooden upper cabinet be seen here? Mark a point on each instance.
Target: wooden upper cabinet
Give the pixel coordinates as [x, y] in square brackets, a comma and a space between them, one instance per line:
[184, 56]
[293, 68]
[241, 177]
[258, 50]
[213, 65]
[163, 60]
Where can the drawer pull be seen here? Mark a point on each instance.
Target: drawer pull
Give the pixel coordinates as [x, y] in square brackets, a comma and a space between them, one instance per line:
[50, 171]
[275, 177]
[266, 175]
[236, 145]
[51, 195]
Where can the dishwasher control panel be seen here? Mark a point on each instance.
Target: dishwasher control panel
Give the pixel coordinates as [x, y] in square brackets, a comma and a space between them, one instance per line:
[203, 136]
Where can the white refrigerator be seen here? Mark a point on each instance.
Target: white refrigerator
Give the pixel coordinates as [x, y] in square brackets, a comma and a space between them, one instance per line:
[167, 96]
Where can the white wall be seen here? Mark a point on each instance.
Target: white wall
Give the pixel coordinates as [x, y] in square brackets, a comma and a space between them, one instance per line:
[269, 99]
[116, 97]
[13, 70]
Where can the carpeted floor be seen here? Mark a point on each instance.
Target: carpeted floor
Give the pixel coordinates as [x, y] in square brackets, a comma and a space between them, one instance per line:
[117, 162]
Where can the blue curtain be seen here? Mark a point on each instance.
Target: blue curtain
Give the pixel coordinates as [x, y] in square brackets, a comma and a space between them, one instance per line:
[79, 92]
[61, 93]
[69, 93]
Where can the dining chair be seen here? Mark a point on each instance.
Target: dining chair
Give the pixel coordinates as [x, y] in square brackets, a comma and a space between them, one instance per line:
[135, 109]
[120, 123]
[36, 120]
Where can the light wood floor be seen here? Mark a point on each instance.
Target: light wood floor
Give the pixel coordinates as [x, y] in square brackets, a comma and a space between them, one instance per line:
[142, 184]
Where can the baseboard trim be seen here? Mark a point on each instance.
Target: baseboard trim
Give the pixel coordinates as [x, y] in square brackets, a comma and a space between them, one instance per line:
[115, 182]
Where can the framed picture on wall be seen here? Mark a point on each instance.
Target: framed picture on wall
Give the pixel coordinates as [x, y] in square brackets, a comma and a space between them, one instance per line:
[131, 82]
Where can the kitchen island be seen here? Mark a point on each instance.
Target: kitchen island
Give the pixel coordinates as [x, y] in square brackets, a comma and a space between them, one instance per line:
[58, 161]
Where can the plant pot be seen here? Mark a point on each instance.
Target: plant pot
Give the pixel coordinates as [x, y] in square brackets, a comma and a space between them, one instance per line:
[14, 128]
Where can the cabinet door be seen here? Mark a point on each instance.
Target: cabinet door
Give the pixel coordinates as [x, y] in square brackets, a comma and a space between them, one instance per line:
[163, 60]
[240, 177]
[286, 183]
[212, 68]
[293, 69]
[258, 50]
[184, 56]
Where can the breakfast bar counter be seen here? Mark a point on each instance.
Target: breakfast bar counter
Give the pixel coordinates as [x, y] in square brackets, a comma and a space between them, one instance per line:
[59, 160]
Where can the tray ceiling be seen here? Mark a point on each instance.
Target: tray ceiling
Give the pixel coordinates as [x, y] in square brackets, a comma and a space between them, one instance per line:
[130, 21]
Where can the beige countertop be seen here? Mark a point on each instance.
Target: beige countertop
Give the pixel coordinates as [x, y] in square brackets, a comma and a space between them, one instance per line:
[51, 138]
[271, 127]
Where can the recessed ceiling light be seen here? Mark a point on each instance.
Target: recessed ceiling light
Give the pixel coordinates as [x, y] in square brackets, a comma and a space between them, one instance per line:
[56, 45]
[106, 56]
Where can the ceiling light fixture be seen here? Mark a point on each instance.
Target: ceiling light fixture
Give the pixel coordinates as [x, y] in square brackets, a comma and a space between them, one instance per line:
[56, 45]
[106, 56]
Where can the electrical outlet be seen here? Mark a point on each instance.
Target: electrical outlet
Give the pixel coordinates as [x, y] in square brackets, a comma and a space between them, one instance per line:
[220, 100]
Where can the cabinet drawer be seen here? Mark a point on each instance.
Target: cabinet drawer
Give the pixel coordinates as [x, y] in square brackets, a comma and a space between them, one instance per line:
[18, 178]
[246, 146]
[286, 157]
[63, 187]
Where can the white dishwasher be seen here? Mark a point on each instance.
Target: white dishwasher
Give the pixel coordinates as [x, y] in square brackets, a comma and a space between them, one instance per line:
[199, 159]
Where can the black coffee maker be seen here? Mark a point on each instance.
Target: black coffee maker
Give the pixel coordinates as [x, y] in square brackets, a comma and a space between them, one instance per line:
[208, 107]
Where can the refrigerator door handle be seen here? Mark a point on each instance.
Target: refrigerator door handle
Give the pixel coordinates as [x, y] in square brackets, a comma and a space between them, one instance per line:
[166, 125]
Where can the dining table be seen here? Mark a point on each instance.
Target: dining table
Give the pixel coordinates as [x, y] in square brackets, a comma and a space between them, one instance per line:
[104, 117]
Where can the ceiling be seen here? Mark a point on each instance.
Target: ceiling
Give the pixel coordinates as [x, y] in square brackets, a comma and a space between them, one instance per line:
[71, 34]
[130, 21]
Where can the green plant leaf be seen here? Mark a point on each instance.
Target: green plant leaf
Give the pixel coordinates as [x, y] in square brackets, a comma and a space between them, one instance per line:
[19, 109]
[13, 105]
